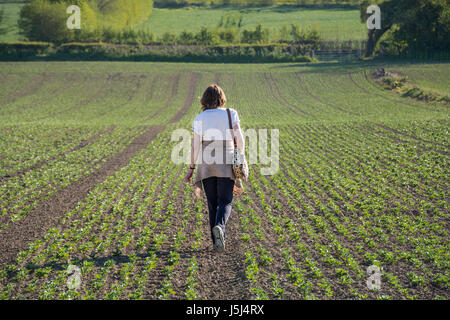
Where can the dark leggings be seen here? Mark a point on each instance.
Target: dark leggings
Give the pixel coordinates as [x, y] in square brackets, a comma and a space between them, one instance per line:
[219, 194]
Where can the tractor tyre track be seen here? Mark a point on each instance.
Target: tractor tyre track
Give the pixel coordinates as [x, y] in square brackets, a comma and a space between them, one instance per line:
[281, 98]
[190, 97]
[331, 105]
[401, 134]
[129, 99]
[16, 93]
[81, 103]
[49, 97]
[175, 82]
[385, 127]
[217, 78]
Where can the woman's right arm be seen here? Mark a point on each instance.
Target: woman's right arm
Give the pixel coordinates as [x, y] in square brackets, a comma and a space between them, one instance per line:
[195, 148]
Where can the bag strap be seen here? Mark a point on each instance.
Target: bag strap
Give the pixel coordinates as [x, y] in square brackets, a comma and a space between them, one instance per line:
[231, 126]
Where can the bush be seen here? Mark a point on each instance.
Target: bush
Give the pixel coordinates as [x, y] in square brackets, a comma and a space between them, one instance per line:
[259, 35]
[24, 49]
[41, 20]
[197, 53]
[45, 20]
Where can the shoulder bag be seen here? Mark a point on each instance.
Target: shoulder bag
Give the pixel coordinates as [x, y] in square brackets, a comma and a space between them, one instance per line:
[239, 163]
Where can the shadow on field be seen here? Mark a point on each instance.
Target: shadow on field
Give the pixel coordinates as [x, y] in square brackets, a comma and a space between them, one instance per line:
[117, 258]
[333, 67]
[281, 8]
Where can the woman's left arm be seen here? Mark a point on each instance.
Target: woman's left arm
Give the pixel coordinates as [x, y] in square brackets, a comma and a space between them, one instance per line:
[239, 138]
[240, 143]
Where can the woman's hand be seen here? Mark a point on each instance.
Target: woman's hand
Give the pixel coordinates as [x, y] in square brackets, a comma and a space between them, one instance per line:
[197, 192]
[188, 176]
[238, 190]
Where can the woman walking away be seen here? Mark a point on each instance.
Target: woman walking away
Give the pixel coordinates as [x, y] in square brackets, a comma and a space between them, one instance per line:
[213, 141]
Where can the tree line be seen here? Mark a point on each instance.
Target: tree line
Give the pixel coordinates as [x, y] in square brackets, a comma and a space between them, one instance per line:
[293, 34]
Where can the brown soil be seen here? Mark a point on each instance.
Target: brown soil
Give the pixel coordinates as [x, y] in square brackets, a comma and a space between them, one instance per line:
[222, 275]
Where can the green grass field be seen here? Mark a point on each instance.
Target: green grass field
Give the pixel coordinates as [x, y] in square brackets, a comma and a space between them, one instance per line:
[334, 24]
[428, 77]
[87, 180]
[11, 13]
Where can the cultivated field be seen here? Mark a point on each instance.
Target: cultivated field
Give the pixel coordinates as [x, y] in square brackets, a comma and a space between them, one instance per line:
[86, 179]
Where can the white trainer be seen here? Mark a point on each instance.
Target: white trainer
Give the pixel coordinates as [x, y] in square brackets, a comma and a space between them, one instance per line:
[219, 241]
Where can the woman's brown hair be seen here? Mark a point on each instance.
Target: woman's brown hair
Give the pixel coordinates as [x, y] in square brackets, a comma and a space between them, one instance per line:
[213, 98]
